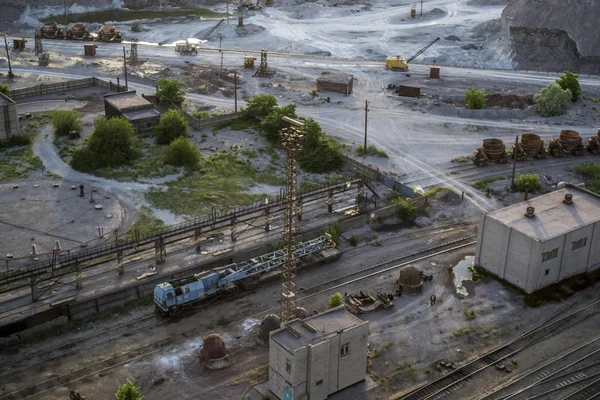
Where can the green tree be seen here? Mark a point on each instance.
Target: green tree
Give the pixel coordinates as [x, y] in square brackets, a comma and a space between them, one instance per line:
[335, 300]
[553, 100]
[128, 391]
[569, 81]
[171, 126]
[182, 152]
[260, 106]
[201, 114]
[65, 122]
[170, 91]
[322, 153]
[476, 98]
[530, 181]
[111, 144]
[4, 89]
[273, 123]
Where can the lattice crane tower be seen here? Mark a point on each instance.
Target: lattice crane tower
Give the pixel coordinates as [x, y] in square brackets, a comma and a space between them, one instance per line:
[291, 139]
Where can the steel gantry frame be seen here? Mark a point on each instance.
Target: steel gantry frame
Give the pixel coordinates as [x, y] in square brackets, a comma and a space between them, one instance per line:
[291, 139]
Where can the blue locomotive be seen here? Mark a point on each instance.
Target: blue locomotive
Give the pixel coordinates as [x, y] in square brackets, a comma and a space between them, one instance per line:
[172, 297]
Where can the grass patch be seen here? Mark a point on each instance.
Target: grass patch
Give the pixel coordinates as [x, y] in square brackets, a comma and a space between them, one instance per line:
[334, 231]
[529, 182]
[469, 314]
[353, 240]
[463, 159]
[269, 179]
[477, 273]
[17, 163]
[465, 330]
[407, 210]
[435, 190]
[371, 150]
[221, 183]
[146, 224]
[482, 184]
[406, 370]
[376, 352]
[240, 124]
[591, 172]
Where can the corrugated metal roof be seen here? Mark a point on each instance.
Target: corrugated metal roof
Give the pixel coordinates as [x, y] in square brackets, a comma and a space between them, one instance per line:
[336, 77]
[553, 218]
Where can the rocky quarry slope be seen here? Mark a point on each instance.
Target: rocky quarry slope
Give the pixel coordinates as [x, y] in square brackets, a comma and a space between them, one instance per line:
[554, 35]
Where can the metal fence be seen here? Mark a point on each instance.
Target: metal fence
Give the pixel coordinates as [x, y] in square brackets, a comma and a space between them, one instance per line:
[376, 175]
[58, 87]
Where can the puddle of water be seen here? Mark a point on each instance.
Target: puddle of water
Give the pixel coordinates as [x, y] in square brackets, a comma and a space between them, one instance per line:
[250, 323]
[173, 360]
[462, 275]
[120, 15]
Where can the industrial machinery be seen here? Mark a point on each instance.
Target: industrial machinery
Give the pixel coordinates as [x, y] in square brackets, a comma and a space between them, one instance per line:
[569, 142]
[108, 33]
[50, 30]
[531, 146]
[493, 150]
[171, 297]
[397, 63]
[78, 32]
[185, 47]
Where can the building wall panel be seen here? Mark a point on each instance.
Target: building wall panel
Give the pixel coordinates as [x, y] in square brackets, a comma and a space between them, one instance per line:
[493, 247]
[517, 259]
[353, 366]
[594, 257]
[549, 269]
[334, 359]
[575, 261]
[318, 370]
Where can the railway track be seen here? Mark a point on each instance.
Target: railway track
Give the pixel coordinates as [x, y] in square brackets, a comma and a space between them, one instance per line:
[153, 347]
[569, 371]
[452, 382]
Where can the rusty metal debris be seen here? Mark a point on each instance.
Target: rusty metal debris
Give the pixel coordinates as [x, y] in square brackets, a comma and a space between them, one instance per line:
[214, 353]
[364, 302]
[594, 144]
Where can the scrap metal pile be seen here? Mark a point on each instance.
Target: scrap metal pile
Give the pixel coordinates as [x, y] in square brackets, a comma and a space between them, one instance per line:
[106, 33]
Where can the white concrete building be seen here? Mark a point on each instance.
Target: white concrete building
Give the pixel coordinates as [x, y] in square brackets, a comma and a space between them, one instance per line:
[318, 356]
[9, 119]
[560, 239]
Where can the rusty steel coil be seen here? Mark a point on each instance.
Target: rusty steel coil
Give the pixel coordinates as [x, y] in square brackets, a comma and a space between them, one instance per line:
[493, 148]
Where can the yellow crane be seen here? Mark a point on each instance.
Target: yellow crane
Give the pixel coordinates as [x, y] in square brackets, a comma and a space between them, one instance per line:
[397, 63]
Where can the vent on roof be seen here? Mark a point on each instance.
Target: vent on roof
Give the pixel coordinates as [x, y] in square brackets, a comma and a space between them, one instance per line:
[293, 331]
[568, 199]
[530, 213]
[309, 327]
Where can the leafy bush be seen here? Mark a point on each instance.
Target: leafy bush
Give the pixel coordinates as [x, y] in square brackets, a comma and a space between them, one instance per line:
[128, 391]
[260, 106]
[4, 89]
[322, 153]
[553, 100]
[406, 209]
[314, 93]
[334, 231]
[182, 153]
[170, 91]
[201, 114]
[272, 123]
[17, 140]
[533, 180]
[66, 121]
[353, 240]
[590, 171]
[476, 98]
[110, 145]
[335, 300]
[569, 81]
[171, 126]
[371, 150]
[147, 224]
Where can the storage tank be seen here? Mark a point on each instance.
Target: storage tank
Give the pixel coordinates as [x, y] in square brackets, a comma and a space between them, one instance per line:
[269, 323]
[409, 281]
[214, 353]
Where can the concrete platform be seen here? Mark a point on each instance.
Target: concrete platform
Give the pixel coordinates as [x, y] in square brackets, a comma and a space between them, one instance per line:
[43, 211]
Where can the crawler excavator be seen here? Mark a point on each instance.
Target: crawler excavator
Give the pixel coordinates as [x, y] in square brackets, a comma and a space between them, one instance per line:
[397, 63]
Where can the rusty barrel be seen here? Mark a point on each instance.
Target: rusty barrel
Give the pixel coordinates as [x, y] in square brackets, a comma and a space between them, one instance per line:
[531, 143]
[569, 140]
[493, 148]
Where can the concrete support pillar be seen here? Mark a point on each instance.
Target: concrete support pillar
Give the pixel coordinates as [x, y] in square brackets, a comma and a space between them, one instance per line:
[267, 220]
[120, 268]
[361, 197]
[330, 201]
[78, 276]
[233, 229]
[160, 250]
[299, 209]
[197, 233]
[34, 289]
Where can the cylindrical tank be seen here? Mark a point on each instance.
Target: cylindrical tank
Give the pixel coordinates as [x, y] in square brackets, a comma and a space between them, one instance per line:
[569, 140]
[409, 281]
[78, 30]
[269, 323]
[214, 352]
[493, 148]
[532, 144]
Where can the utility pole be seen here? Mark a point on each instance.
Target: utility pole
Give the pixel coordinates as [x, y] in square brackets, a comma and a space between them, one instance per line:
[227, 11]
[235, 90]
[125, 68]
[512, 181]
[10, 73]
[221, 51]
[65, 7]
[421, 8]
[366, 120]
